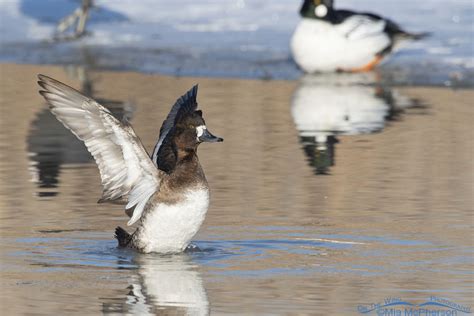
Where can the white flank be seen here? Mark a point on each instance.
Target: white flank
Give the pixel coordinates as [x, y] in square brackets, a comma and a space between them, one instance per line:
[170, 227]
[319, 46]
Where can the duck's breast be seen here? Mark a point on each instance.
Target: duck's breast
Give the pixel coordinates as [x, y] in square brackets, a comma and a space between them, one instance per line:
[170, 227]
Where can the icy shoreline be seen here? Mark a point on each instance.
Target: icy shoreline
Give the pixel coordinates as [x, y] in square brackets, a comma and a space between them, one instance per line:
[247, 39]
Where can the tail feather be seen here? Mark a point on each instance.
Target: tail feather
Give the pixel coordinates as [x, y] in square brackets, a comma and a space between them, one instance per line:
[394, 30]
[122, 236]
[415, 36]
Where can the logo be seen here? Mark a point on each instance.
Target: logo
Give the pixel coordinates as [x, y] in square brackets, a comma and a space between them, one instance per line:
[434, 306]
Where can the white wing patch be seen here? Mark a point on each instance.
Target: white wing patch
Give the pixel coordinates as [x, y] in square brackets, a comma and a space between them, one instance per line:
[359, 26]
[124, 165]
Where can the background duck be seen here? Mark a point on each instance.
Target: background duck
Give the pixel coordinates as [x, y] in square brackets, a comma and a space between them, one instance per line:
[329, 40]
[166, 193]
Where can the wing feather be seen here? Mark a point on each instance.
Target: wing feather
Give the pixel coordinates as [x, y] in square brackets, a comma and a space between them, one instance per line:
[125, 168]
[360, 26]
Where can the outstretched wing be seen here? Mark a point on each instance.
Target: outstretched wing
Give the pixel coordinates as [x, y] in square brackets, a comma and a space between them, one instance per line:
[185, 104]
[125, 169]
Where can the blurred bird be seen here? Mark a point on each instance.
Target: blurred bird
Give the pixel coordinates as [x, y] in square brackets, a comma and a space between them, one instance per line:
[75, 21]
[328, 40]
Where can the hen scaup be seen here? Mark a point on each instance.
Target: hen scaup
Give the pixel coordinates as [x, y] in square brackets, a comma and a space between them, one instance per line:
[166, 193]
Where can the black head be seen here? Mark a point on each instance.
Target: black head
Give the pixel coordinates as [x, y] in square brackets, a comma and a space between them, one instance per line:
[191, 130]
[316, 9]
[182, 131]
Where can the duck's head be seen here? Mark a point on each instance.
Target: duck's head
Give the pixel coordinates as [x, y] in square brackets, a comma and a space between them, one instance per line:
[191, 130]
[316, 9]
[181, 133]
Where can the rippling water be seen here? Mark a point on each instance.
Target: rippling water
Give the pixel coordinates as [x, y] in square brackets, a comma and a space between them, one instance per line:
[327, 193]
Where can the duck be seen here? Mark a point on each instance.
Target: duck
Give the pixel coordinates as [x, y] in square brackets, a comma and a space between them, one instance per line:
[166, 192]
[330, 40]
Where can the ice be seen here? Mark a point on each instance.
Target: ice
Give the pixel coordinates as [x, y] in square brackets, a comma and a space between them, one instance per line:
[244, 38]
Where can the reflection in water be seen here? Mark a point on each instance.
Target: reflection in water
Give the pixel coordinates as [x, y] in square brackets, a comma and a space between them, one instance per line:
[325, 106]
[163, 285]
[320, 152]
[51, 145]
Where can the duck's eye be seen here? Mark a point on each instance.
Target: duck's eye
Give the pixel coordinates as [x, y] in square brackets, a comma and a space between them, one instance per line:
[190, 126]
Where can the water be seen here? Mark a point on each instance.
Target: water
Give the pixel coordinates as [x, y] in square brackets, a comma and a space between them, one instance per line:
[245, 38]
[307, 215]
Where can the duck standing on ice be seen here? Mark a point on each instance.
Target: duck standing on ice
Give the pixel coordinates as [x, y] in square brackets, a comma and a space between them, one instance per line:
[328, 40]
[167, 193]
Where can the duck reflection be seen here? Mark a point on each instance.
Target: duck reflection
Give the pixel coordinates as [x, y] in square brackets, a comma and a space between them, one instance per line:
[164, 285]
[325, 106]
[51, 145]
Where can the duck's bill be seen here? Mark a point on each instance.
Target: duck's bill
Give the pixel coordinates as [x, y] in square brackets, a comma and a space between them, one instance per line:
[208, 137]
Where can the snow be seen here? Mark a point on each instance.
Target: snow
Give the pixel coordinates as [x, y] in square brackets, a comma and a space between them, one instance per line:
[243, 38]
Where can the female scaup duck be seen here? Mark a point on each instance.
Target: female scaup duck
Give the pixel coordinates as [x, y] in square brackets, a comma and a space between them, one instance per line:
[329, 40]
[168, 192]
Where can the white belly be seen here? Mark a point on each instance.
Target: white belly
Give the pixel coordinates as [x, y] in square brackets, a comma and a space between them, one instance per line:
[319, 46]
[170, 227]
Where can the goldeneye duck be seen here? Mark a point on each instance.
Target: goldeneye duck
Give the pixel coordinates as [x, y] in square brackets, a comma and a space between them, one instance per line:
[167, 193]
[328, 40]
